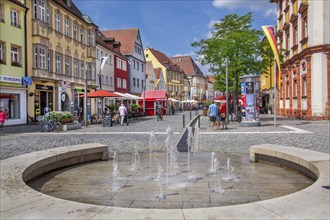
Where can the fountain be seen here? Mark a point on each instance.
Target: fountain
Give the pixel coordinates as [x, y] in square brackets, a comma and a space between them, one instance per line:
[161, 195]
[217, 188]
[115, 173]
[135, 159]
[230, 172]
[152, 143]
[179, 190]
[189, 143]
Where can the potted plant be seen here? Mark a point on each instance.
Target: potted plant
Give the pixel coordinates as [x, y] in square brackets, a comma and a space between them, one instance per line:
[206, 107]
[112, 108]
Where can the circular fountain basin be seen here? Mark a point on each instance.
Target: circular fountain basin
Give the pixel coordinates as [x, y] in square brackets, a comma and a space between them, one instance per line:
[172, 188]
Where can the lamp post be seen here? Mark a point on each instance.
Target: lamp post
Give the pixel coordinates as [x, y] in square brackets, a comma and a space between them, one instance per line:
[103, 61]
[85, 95]
[227, 118]
[144, 85]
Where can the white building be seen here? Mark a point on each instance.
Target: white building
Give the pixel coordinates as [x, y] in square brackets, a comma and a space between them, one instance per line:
[303, 31]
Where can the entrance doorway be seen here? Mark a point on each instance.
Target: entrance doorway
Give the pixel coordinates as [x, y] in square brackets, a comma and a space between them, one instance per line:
[65, 102]
[46, 100]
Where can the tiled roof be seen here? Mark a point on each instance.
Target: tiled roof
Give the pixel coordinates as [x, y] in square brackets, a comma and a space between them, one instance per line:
[187, 64]
[211, 78]
[163, 59]
[99, 39]
[157, 71]
[127, 38]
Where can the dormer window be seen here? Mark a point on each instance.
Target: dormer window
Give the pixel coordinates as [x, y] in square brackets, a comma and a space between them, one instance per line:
[68, 3]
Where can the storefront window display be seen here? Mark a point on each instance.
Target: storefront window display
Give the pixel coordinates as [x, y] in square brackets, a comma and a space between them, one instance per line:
[10, 104]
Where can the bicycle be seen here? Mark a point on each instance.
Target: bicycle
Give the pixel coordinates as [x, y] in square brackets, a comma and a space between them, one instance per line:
[54, 126]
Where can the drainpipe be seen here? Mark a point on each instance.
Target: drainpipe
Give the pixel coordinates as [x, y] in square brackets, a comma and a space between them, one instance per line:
[26, 63]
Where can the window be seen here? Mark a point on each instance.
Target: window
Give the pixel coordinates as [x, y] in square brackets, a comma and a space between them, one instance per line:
[58, 68]
[142, 83]
[141, 67]
[101, 55]
[14, 18]
[67, 65]
[110, 59]
[35, 56]
[42, 55]
[2, 52]
[75, 31]
[287, 88]
[295, 35]
[82, 35]
[111, 81]
[287, 40]
[138, 83]
[133, 64]
[89, 38]
[42, 10]
[2, 13]
[138, 65]
[107, 80]
[304, 85]
[134, 81]
[76, 68]
[50, 61]
[118, 82]
[67, 28]
[11, 105]
[304, 26]
[82, 64]
[106, 55]
[15, 55]
[93, 72]
[58, 22]
[97, 53]
[118, 63]
[124, 65]
[124, 84]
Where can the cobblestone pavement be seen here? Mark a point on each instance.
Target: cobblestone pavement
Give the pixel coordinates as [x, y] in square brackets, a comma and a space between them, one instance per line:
[314, 135]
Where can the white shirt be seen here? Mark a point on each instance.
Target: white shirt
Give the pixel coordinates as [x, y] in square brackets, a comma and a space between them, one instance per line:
[122, 110]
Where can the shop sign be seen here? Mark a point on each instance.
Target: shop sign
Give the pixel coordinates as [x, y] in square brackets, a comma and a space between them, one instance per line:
[44, 87]
[26, 81]
[11, 79]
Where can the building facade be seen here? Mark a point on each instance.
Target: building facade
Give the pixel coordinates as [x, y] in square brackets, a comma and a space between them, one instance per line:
[13, 95]
[303, 32]
[173, 74]
[107, 74]
[132, 48]
[62, 48]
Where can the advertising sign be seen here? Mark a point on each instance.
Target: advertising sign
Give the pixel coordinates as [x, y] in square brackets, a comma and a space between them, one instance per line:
[243, 88]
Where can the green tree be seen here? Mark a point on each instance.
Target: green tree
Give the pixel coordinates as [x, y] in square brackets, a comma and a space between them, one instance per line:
[235, 40]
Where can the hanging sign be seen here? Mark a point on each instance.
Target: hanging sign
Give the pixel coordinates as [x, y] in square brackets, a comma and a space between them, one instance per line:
[26, 81]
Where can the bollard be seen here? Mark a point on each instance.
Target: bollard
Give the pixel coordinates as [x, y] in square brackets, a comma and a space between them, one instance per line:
[190, 115]
[199, 122]
[184, 124]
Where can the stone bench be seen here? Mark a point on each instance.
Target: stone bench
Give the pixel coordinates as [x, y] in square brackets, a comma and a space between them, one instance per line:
[19, 201]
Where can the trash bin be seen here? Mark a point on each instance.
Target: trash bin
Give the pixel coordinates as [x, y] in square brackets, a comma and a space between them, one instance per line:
[64, 127]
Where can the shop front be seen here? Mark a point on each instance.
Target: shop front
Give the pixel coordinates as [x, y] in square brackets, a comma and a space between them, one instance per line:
[13, 103]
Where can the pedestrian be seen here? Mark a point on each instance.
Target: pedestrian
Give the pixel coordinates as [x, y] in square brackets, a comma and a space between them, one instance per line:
[223, 115]
[213, 109]
[122, 112]
[3, 117]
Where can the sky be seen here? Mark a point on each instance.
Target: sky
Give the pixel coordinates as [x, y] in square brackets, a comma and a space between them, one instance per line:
[171, 26]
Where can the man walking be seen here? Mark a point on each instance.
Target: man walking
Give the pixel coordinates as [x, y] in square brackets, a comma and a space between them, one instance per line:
[213, 109]
[122, 112]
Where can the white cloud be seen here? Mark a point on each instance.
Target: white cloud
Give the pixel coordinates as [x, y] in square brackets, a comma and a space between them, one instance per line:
[212, 22]
[190, 53]
[254, 5]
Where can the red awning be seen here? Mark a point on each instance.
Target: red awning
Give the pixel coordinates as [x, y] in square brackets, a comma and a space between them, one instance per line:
[155, 95]
[101, 93]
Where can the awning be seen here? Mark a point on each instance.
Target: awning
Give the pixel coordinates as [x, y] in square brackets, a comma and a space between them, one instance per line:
[157, 95]
[101, 93]
[173, 100]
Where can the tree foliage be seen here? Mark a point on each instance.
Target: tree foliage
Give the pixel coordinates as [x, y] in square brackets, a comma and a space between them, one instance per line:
[234, 39]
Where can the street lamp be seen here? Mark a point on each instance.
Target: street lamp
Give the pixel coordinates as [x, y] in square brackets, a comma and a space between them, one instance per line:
[144, 85]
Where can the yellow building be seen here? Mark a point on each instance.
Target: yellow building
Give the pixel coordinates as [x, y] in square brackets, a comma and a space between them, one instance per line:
[267, 88]
[173, 74]
[61, 46]
[12, 61]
